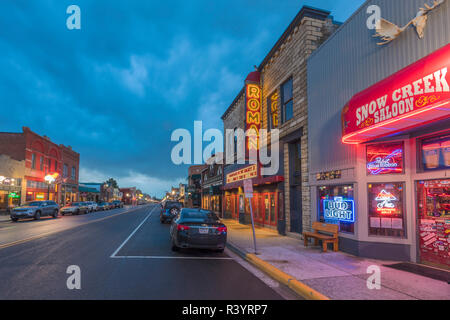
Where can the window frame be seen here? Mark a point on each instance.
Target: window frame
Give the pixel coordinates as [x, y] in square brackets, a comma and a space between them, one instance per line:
[284, 103]
[33, 161]
[403, 206]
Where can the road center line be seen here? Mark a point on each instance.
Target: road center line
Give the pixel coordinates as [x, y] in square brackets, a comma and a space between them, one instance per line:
[135, 230]
[169, 257]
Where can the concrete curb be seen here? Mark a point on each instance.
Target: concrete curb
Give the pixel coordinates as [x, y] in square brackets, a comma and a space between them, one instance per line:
[298, 287]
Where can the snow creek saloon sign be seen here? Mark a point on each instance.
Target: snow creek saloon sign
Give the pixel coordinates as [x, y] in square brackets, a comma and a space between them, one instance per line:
[243, 174]
[339, 209]
[253, 114]
[420, 90]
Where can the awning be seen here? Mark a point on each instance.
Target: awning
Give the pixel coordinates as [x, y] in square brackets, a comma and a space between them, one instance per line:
[87, 189]
[256, 182]
[412, 97]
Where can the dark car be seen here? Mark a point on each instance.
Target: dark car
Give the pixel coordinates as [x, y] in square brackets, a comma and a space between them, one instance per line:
[75, 208]
[117, 204]
[195, 228]
[169, 210]
[102, 206]
[36, 210]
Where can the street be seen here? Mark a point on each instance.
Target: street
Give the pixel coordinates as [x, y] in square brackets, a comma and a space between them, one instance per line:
[122, 254]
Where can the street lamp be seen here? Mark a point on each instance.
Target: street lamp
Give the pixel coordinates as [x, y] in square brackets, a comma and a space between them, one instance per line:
[50, 179]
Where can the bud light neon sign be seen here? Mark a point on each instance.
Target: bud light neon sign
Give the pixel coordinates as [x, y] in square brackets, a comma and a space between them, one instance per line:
[339, 209]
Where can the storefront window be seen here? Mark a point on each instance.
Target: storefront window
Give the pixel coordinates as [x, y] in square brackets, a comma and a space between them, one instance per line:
[434, 221]
[336, 206]
[436, 153]
[385, 158]
[386, 210]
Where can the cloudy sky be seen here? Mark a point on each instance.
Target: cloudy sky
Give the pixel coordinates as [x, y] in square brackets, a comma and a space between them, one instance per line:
[137, 70]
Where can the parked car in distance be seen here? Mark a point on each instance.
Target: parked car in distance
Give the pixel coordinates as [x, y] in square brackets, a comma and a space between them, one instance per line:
[90, 205]
[103, 206]
[35, 209]
[195, 228]
[75, 208]
[118, 204]
[169, 210]
[94, 205]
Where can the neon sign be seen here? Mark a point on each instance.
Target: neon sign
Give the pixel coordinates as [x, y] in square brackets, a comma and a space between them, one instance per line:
[274, 109]
[385, 205]
[385, 159]
[339, 209]
[253, 114]
[408, 98]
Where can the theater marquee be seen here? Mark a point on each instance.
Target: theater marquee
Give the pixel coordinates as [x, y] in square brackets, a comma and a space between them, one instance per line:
[243, 174]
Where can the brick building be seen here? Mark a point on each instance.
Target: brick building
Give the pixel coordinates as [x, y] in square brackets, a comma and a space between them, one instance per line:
[129, 195]
[70, 174]
[12, 188]
[280, 201]
[212, 181]
[42, 157]
[194, 188]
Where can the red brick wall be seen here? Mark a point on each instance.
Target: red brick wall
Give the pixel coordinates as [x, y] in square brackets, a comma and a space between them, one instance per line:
[44, 149]
[13, 144]
[71, 159]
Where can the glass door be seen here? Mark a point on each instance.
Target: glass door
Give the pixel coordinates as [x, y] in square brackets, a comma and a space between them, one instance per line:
[433, 205]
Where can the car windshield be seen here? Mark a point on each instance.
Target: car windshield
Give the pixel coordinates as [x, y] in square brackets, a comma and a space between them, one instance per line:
[34, 204]
[77, 204]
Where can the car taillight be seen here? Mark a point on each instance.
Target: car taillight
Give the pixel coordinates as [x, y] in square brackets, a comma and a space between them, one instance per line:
[222, 229]
[180, 227]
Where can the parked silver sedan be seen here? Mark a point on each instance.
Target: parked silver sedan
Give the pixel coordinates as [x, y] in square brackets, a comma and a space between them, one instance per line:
[36, 210]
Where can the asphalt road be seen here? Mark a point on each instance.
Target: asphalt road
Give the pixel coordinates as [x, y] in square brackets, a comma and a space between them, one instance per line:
[122, 254]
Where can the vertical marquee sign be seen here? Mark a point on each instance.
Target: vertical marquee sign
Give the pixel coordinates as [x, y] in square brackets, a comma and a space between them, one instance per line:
[253, 115]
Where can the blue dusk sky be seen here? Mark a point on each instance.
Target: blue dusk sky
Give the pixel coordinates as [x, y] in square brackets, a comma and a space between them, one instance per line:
[137, 70]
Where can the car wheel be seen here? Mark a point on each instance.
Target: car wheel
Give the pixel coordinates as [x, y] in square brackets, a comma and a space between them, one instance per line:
[55, 214]
[14, 219]
[63, 214]
[37, 215]
[77, 212]
[220, 250]
[174, 247]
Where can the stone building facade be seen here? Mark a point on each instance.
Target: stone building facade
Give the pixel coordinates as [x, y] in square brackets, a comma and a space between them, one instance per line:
[285, 69]
[282, 78]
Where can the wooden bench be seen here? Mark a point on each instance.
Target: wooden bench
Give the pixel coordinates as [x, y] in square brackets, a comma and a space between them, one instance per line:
[319, 228]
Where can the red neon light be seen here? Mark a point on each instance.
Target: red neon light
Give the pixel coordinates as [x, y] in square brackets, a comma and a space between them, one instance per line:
[405, 116]
[384, 109]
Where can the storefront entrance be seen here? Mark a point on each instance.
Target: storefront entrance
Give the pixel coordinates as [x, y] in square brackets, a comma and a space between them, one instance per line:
[433, 205]
[265, 209]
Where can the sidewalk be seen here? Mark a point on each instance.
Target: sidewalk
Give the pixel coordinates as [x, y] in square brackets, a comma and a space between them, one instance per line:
[4, 218]
[337, 275]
